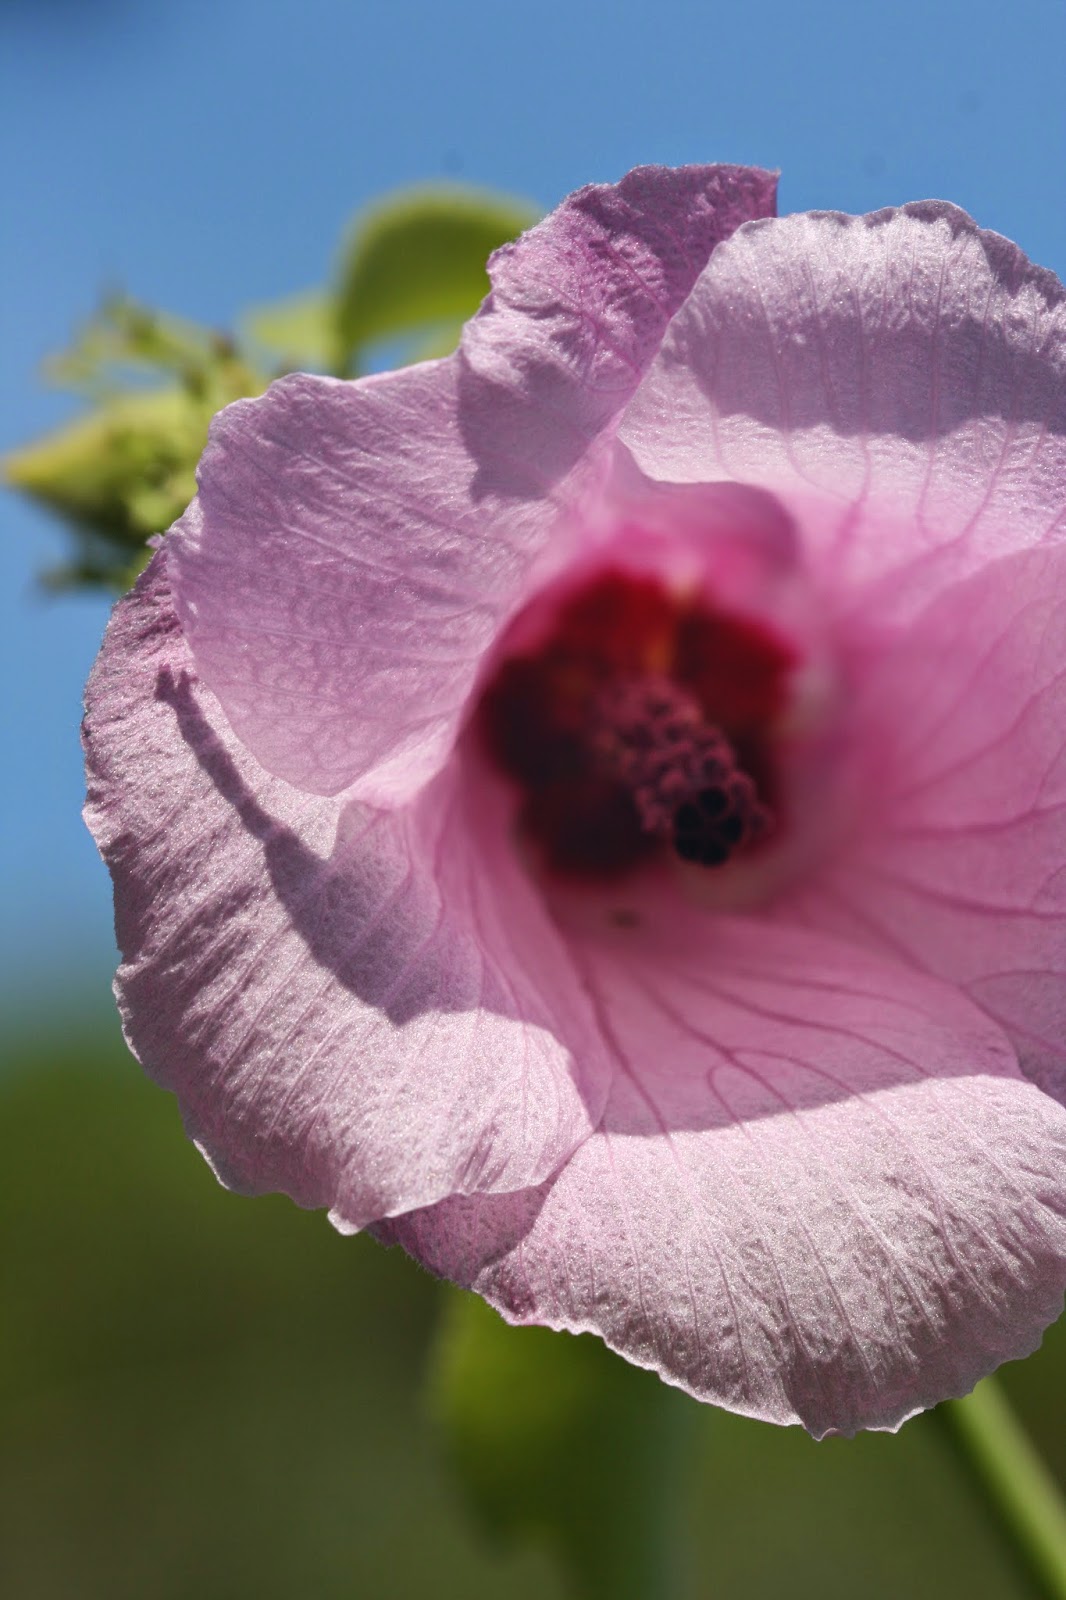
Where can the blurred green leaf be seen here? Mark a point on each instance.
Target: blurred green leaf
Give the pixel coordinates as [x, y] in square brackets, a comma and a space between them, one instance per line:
[127, 343]
[97, 470]
[126, 468]
[441, 341]
[297, 331]
[419, 258]
[555, 1438]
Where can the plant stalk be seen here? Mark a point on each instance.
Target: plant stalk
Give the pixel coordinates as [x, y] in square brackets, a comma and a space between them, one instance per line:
[1018, 1487]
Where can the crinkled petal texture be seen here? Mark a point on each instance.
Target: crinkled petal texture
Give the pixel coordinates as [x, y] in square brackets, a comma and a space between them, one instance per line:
[366, 1010]
[962, 868]
[355, 548]
[821, 1191]
[899, 381]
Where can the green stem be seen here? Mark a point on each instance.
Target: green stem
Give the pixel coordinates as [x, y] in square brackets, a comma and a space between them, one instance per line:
[1023, 1494]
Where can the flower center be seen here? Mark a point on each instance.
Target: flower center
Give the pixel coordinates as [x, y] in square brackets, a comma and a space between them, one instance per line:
[650, 736]
[640, 721]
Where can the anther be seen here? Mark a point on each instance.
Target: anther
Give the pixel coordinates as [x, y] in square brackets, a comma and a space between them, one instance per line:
[649, 734]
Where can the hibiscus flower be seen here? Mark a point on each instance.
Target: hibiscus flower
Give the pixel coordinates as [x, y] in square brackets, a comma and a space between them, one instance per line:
[591, 809]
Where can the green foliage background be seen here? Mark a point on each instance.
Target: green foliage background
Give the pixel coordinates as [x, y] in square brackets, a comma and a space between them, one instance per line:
[207, 1396]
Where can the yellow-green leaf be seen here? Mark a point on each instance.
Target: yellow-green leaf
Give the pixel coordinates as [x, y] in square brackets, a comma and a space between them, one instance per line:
[297, 331]
[418, 259]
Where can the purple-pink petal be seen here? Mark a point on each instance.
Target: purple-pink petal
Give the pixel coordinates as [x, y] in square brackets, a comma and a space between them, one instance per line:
[821, 1191]
[363, 1009]
[957, 864]
[579, 305]
[780, 1134]
[360, 545]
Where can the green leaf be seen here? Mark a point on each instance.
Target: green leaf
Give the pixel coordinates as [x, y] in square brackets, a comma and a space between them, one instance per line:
[441, 341]
[116, 475]
[554, 1438]
[98, 470]
[418, 259]
[126, 344]
[125, 468]
[297, 332]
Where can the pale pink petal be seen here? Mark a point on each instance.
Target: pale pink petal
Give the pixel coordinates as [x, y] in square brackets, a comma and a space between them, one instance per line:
[897, 379]
[357, 546]
[958, 862]
[822, 1192]
[365, 1010]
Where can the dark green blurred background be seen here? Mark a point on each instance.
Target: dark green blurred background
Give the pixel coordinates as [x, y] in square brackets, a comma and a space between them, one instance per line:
[211, 1397]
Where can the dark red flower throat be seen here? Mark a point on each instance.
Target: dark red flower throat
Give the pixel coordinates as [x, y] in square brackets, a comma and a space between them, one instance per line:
[640, 721]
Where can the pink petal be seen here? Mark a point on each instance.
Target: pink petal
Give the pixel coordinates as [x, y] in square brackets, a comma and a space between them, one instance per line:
[898, 379]
[579, 304]
[821, 1191]
[960, 867]
[357, 546]
[366, 1010]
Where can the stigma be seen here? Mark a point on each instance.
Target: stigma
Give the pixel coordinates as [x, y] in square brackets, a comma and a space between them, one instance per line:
[640, 724]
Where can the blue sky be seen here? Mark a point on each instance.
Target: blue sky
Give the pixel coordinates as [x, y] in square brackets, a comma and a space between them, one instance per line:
[206, 155]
